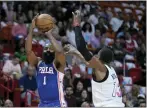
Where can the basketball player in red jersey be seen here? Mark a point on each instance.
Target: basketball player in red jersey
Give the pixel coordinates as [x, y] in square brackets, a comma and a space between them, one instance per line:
[105, 85]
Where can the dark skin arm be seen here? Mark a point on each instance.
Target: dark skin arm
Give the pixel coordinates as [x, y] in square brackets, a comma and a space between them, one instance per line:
[31, 57]
[93, 62]
[59, 54]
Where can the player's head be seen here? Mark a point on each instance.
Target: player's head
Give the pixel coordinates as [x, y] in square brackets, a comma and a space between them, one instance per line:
[48, 54]
[106, 55]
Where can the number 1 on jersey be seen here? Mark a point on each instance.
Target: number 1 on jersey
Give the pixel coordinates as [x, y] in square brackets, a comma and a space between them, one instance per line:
[44, 80]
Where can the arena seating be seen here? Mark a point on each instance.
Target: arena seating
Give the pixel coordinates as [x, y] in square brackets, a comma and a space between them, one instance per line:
[5, 87]
[112, 5]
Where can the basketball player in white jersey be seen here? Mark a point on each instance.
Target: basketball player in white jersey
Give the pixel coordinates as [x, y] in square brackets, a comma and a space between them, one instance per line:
[106, 91]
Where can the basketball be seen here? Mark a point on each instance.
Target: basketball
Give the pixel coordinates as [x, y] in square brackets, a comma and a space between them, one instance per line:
[45, 22]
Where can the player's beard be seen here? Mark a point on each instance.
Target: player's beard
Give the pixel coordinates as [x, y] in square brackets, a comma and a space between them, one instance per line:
[48, 57]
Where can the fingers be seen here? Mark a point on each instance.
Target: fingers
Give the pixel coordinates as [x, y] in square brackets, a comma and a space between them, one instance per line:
[50, 31]
[36, 16]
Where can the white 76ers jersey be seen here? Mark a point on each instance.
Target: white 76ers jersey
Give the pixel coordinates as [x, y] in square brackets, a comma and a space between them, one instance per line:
[107, 93]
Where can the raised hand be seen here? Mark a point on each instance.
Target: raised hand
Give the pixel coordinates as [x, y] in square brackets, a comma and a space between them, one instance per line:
[52, 32]
[76, 18]
[33, 21]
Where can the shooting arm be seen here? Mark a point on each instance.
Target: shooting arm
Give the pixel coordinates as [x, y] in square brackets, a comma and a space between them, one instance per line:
[55, 44]
[32, 59]
[59, 54]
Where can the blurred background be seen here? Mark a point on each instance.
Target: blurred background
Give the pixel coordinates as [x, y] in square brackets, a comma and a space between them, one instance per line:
[119, 25]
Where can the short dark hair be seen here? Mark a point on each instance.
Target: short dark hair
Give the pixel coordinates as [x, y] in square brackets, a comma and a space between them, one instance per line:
[106, 55]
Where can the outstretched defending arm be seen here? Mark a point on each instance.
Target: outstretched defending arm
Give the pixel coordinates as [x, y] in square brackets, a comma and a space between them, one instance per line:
[93, 62]
[80, 42]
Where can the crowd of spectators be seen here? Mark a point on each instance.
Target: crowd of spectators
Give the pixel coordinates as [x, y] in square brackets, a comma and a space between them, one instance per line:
[99, 27]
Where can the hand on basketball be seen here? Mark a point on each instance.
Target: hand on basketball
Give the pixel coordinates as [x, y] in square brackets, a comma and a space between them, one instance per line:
[52, 32]
[76, 18]
[33, 21]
